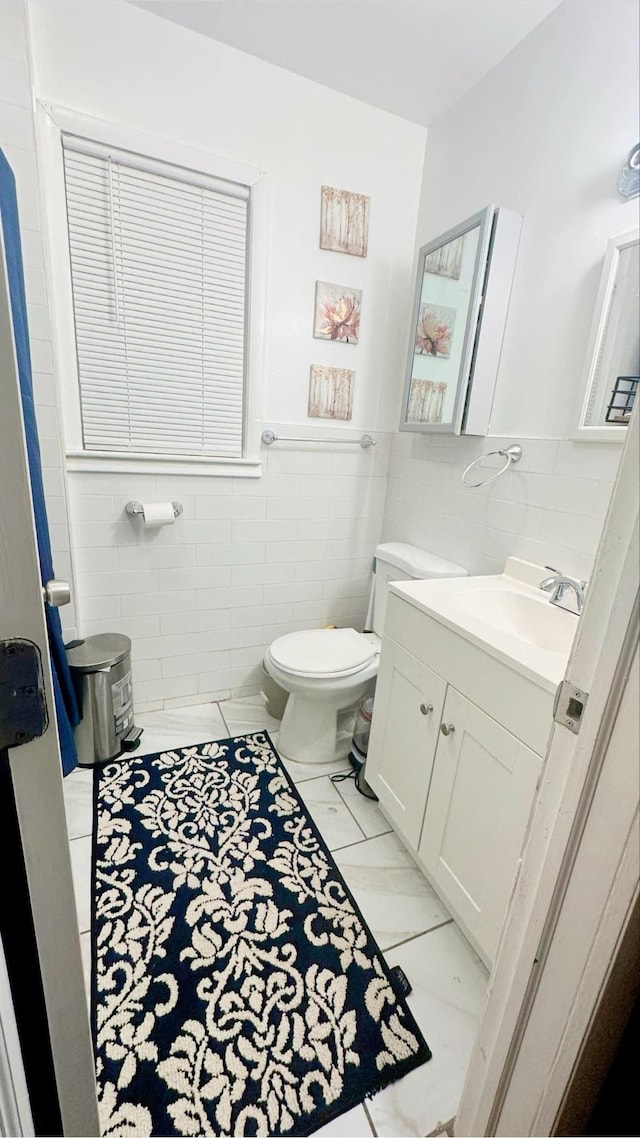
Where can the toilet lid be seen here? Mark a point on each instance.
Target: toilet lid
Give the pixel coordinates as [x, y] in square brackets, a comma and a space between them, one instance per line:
[323, 652]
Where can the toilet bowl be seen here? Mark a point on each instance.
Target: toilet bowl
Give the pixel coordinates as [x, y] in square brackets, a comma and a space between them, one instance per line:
[328, 671]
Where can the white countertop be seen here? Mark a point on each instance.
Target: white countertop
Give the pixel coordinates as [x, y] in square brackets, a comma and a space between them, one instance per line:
[506, 615]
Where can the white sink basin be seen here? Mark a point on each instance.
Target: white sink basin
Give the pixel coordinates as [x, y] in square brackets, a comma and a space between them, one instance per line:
[532, 619]
[506, 615]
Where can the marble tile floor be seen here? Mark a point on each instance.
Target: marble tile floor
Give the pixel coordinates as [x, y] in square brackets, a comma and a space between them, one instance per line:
[405, 915]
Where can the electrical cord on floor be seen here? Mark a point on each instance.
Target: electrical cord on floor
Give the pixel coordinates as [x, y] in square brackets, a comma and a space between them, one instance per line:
[343, 776]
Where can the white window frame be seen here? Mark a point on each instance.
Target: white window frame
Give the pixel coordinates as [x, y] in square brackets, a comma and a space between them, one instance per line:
[51, 123]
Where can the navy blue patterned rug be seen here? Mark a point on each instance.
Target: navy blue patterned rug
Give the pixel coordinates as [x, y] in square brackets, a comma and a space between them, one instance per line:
[236, 989]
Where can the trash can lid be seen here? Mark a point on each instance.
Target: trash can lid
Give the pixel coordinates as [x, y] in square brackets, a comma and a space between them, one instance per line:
[100, 651]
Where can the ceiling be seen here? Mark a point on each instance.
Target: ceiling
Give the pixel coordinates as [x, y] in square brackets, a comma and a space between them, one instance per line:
[414, 58]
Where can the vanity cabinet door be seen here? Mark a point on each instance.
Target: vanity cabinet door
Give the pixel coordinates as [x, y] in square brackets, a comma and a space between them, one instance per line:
[404, 735]
[483, 785]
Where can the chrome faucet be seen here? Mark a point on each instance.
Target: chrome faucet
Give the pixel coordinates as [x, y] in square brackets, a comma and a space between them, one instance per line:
[559, 584]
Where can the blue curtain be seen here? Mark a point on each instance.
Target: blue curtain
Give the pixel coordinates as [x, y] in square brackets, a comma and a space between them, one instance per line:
[66, 703]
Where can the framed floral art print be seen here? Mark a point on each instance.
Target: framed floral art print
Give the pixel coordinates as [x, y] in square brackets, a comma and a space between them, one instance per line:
[337, 313]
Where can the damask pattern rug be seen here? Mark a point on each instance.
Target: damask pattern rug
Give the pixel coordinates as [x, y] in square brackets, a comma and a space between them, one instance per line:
[236, 989]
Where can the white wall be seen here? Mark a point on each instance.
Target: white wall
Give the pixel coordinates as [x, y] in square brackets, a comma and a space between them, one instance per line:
[250, 559]
[545, 134]
[18, 143]
[549, 509]
[119, 63]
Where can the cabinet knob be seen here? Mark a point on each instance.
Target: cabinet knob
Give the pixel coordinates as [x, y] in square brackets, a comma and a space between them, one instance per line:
[426, 708]
[447, 728]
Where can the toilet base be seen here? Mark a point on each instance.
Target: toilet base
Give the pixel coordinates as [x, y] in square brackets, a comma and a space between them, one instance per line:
[317, 731]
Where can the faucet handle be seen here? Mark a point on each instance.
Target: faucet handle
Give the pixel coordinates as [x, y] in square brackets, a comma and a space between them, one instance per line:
[552, 582]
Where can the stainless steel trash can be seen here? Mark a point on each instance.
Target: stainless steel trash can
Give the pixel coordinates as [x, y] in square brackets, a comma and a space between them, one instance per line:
[101, 670]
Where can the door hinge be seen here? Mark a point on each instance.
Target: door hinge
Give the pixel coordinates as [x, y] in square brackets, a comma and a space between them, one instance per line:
[569, 706]
[23, 705]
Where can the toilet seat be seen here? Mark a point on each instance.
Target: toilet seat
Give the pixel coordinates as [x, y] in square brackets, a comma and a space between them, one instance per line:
[324, 652]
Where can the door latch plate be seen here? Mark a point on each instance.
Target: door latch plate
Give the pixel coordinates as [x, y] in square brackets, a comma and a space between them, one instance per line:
[23, 705]
[569, 706]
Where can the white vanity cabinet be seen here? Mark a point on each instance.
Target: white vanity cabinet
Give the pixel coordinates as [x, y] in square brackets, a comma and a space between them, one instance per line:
[411, 698]
[455, 753]
[483, 784]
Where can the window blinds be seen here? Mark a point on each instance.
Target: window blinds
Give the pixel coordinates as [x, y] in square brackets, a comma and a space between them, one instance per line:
[158, 269]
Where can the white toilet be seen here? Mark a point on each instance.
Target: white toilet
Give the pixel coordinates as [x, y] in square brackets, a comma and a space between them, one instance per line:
[327, 671]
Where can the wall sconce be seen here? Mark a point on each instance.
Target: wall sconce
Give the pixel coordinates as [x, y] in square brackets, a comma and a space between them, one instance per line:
[629, 176]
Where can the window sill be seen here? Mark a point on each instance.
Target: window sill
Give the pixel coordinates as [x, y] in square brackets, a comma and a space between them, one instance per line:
[105, 461]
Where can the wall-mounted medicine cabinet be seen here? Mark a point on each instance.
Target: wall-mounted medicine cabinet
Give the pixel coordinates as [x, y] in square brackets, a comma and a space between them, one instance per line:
[459, 315]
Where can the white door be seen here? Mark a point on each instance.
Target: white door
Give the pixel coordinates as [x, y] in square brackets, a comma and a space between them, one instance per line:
[578, 883]
[404, 735]
[483, 785]
[32, 784]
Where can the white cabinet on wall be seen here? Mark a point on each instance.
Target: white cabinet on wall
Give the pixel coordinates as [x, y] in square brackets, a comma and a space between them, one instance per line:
[461, 301]
[455, 755]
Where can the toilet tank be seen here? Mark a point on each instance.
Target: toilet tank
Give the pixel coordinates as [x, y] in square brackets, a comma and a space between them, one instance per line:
[395, 561]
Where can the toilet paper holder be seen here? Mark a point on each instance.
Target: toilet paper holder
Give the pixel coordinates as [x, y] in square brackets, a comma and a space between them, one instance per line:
[136, 508]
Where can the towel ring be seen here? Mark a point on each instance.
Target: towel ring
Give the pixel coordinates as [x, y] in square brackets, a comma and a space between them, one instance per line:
[511, 454]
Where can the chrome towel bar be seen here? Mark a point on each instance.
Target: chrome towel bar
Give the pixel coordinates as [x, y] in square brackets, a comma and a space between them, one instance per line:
[269, 437]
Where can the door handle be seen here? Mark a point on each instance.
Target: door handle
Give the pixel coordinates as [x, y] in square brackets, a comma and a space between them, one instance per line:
[426, 708]
[447, 728]
[57, 593]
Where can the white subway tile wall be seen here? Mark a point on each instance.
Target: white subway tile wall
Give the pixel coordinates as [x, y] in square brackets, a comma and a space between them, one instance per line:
[17, 140]
[247, 561]
[251, 559]
[549, 508]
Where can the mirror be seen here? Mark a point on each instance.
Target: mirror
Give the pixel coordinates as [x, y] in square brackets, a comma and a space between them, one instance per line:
[450, 277]
[613, 357]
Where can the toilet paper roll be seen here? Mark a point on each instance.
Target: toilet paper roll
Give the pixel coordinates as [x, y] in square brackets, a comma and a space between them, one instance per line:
[158, 513]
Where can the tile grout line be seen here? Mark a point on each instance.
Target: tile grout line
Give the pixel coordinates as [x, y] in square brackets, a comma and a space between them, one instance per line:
[224, 719]
[414, 936]
[252, 730]
[313, 778]
[348, 846]
[370, 1120]
[346, 804]
[367, 836]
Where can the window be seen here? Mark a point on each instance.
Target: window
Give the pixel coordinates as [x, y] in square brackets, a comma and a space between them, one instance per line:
[159, 280]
